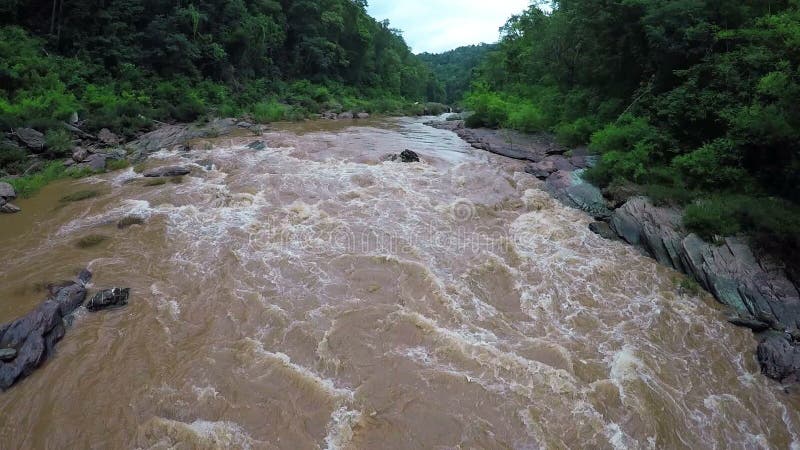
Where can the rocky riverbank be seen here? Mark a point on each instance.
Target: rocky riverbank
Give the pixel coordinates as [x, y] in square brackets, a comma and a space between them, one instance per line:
[762, 294]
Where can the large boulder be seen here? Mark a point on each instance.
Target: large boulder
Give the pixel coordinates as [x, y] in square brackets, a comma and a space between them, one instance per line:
[109, 298]
[345, 116]
[31, 138]
[27, 342]
[779, 358]
[96, 162]
[654, 230]
[167, 171]
[79, 154]
[7, 191]
[362, 115]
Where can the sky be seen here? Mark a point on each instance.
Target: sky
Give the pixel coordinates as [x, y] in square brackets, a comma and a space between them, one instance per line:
[436, 26]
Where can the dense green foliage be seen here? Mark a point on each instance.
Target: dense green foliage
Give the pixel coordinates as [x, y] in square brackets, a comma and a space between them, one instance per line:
[454, 70]
[126, 63]
[695, 101]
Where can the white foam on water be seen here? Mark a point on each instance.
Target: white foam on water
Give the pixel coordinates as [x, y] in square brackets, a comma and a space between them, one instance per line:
[625, 367]
[341, 429]
[160, 433]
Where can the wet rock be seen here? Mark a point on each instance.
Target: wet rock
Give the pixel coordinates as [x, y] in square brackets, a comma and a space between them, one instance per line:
[80, 154]
[107, 137]
[756, 325]
[542, 169]
[407, 156]
[345, 116]
[7, 354]
[7, 191]
[257, 145]
[9, 208]
[170, 136]
[603, 230]
[572, 190]
[779, 358]
[362, 115]
[33, 336]
[329, 115]
[244, 124]
[31, 138]
[109, 298]
[167, 171]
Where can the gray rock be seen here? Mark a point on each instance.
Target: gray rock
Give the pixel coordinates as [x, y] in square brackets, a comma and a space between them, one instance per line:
[756, 325]
[779, 358]
[170, 136]
[542, 169]
[7, 191]
[572, 190]
[107, 137]
[362, 115]
[80, 154]
[345, 116]
[69, 162]
[407, 156]
[7, 354]
[31, 138]
[96, 162]
[109, 298]
[656, 231]
[9, 208]
[257, 145]
[603, 230]
[33, 336]
[167, 171]
[244, 124]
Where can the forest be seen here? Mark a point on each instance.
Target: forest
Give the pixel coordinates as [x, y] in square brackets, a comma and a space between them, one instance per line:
[691, 102]
[129, 64]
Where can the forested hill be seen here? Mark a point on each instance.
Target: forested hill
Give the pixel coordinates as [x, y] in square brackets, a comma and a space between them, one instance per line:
[121, 64]
[454, 69]
[692, 102]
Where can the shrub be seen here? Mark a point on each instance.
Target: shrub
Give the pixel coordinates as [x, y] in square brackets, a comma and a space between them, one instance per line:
[526, 117]
[573, 134]
[58, 142]
[489, 109]
[270, 111]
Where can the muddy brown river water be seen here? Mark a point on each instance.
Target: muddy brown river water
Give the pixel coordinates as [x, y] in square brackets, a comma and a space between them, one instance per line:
[311, 295]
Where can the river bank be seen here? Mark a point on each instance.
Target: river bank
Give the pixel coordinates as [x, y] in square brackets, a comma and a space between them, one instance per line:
[762, 294]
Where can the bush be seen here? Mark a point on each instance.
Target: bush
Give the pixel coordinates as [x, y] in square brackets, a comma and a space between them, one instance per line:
[526, 117]
[270, 111]
[58, 142]
[489, 110]
[573, 134]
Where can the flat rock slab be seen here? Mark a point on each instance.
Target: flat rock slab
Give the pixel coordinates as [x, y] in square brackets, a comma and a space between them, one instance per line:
[31, 138]
[167, 171]
[9, 208]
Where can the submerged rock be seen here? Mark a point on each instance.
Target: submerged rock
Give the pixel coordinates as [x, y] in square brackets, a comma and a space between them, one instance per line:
[109, 298]
[167, 171]
[257, 145]
[407, 156]
[28, 341]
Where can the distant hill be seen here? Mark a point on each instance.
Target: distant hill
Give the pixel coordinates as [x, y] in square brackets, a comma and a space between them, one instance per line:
[454, 68]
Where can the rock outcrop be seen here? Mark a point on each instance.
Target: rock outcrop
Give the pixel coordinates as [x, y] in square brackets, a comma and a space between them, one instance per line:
[406, 156]
[27, 342]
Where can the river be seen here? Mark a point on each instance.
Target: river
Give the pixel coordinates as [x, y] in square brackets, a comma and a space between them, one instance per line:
[311, 295]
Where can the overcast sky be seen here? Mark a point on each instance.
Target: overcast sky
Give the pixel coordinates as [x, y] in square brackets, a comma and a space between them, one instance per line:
[439, 25]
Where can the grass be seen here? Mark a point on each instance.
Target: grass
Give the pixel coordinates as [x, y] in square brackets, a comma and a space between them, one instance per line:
[176, 180]
[92, 240]
[79, 196]
[117, 164]
[29, 185]
[129, 221]
[140, 168]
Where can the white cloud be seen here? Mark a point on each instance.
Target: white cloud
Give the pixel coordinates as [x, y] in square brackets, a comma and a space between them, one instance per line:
[440, 25]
